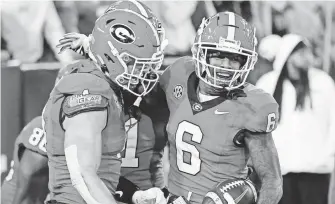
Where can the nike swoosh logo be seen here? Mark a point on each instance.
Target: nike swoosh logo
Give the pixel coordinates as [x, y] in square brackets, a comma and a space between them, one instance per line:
[217, 112]
[119, 192]
[238, 199]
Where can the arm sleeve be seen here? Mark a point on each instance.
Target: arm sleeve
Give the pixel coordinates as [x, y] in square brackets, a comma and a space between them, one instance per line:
[80, 103]
[83, 92]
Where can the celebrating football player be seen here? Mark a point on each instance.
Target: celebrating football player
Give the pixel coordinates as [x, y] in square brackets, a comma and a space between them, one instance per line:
[84, 119]
[142, 169]
[218, 121]
[211, 106]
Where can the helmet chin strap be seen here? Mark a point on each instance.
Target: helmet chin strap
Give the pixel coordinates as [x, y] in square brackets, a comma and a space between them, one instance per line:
[138, 101]
[103, 66]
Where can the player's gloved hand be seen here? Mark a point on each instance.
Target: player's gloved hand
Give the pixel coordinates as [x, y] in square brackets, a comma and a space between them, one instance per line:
[151, 196]
[74, 41]
[173, 199]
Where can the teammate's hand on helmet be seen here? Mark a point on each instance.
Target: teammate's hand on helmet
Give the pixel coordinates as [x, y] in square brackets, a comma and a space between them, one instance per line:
[151, 196]
[74, 41]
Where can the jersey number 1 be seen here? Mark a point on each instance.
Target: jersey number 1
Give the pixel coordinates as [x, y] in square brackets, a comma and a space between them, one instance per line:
[196, 136]
[129, 159]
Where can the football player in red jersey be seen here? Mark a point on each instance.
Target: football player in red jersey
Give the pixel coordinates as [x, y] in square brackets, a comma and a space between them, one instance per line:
[84, 119]
[211, 105]
[142, 168]
[214, 100]
[142, 163]
[27, 180]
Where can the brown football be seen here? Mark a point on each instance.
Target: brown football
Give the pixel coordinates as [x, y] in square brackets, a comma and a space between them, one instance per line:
[232, 191]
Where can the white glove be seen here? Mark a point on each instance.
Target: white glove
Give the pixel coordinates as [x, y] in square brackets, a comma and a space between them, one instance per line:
[75, 41]
[151, 196]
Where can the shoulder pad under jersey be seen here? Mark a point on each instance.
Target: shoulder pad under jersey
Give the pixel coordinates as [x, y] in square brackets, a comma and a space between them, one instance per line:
[32, 136]
[84, 91]
[177, 72]
[263, 115]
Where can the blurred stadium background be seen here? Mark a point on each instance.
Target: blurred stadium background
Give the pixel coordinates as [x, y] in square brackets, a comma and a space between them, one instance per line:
[26, 83]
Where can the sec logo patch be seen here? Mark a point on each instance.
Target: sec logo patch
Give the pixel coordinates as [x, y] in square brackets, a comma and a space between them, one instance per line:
[178, 91]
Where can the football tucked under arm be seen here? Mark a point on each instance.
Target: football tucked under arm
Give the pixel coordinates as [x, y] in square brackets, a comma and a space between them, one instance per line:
[232, 191]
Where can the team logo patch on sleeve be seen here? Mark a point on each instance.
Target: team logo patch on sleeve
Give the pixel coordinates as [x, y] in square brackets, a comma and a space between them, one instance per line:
[85, 102]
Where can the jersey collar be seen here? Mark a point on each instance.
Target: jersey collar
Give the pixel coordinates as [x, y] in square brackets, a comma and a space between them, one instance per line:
[196, 105]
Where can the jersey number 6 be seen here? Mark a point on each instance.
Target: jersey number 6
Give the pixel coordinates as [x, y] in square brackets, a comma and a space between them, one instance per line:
[196, 136]
[271, 122]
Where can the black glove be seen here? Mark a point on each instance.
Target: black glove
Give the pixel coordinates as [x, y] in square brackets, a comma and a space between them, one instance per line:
[173, 199]
[125, 190]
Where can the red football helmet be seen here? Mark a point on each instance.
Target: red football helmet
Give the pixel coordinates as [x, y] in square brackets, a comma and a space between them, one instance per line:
[128, 42]
[224, 32]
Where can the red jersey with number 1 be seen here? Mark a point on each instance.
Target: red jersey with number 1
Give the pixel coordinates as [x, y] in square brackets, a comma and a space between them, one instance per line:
[201, 134]
[142, 157]
[138, 154]
[33, 139]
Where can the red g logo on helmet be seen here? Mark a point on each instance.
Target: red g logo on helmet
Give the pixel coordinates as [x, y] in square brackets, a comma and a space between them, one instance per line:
[128, 47]
[122, 33]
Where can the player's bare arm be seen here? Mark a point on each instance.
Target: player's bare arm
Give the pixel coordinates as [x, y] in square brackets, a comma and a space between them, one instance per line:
[83, 154]
[265, 160]
[32, 164]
